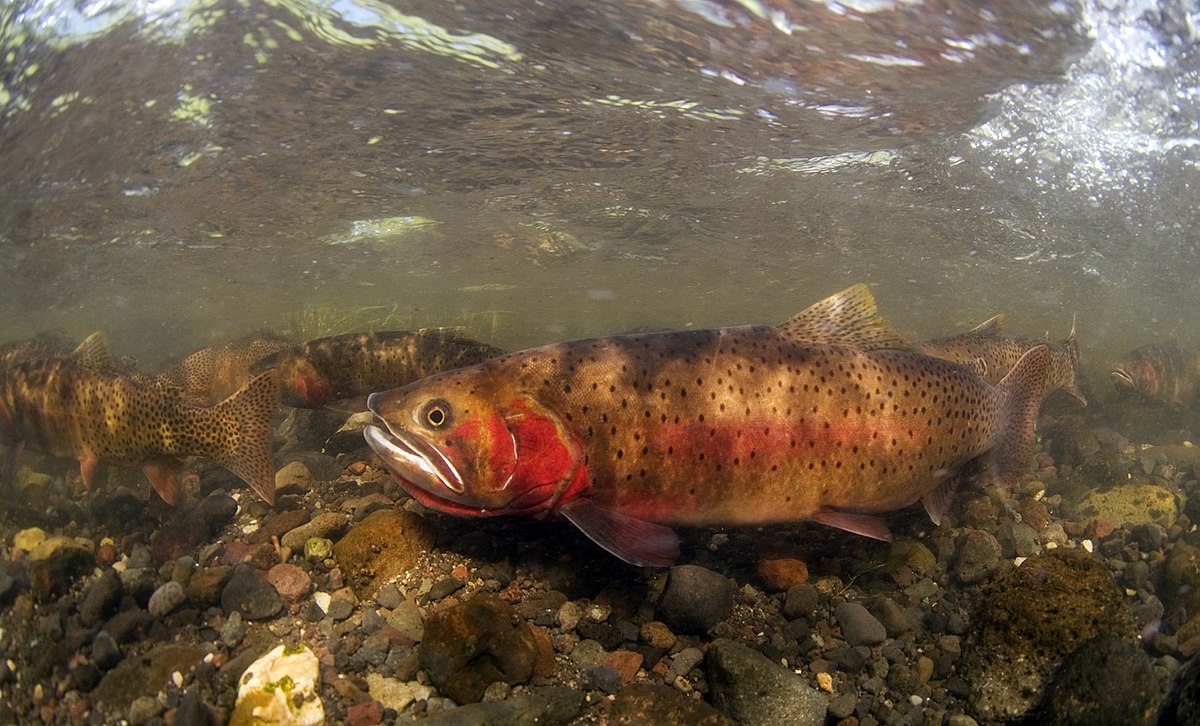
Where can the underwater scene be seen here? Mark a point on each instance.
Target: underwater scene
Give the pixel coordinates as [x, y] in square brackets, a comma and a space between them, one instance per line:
[621, 362]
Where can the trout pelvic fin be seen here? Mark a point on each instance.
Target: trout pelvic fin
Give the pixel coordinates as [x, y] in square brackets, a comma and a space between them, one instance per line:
[866, 525]
[163, 473]
[636, 541]
[845, 318]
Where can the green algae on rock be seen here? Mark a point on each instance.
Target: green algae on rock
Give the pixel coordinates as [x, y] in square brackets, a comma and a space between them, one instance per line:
[1131, 504]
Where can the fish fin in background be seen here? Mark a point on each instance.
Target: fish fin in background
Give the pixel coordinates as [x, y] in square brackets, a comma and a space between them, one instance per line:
[94, 352]
[845, 318]
[1074, 353]
[937, 502]
[993, 327]
[636, 541]
[1022, 389]
[867, 525]
[253, 410]
[163, 473]
[87, 470]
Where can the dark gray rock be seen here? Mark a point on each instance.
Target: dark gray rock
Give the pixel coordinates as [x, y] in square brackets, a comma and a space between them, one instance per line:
[191, 710]
[543, 707]
[750, 688]
[468, 647]
[801, 601]
[650, 703]
[1183, 702]
[977, 556]
[1106, 680]
[388, 596]
[6, 585]
[250, 595]
[859, 626]
[105, 651]
[215, 511]
[843, 706]
[101, 599]
[896, 620]
[695, 599]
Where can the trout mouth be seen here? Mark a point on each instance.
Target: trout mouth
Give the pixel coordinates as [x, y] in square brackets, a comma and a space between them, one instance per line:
[418, 464]
[1122, 380]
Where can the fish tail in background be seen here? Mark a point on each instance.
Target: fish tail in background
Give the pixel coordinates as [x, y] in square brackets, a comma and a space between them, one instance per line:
[1022, 391]
[252, 409]
[1074, 354]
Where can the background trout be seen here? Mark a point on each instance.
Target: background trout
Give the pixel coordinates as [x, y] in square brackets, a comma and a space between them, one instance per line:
[70, 410]
[1159, 373]
[828, 416]
[212, 374]
[992, 354]
[350, 366]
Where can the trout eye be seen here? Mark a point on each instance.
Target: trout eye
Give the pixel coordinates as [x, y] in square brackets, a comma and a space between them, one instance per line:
[436, 413]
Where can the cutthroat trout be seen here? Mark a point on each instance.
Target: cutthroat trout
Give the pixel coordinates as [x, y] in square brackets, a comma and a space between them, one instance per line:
[74, 411]
[347, 367]
[1159, 373]
[829, 416]
[993, 354]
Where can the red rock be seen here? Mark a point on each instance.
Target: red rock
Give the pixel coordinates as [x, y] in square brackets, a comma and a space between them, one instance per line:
[357, 468]
[543, 665]
[367, 713]
[625, 663]
[278, 525]
[1035, 513]
[106, 555]
[291, 582]
[460, 572]
[780, 573]
[1101, 528]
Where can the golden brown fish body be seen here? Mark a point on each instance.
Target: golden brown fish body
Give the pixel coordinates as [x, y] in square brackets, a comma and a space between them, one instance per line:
[70, 410]
[51, 344]
[1159, 373]
[351, 366]
[212, 374]
[992, 354]
[749, 425]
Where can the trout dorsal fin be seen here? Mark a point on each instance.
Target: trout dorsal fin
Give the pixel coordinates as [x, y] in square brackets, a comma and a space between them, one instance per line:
[94, 352]
[845, 318]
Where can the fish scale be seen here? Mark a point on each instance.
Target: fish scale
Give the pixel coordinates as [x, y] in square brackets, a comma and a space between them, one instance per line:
[628, 435]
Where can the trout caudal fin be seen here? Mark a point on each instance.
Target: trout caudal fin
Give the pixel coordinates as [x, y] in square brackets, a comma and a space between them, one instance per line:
[248, 455]
[1022, 391]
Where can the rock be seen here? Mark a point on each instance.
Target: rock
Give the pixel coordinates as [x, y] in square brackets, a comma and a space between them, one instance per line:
[101, 599]
[695, 599]
[1130, 504]
[780, 565]
[327, 525]
[801, 601]
[469, 646]
[27, 539]
[54, 564]
[1182, 705]
[382, 546]
[165, 599]
[318, 549]
[911, 554]
[250, 595]
[626, 664]
[1181, 576]
[205, 586]
[589, 654]
[859, 626]
[657, 634]
[1028, 620]
[279, 525]
[291, 582]
[364, 713]
[977, 556]
[750, 688]
[280, 688]
[650, 703]
[551, 706]
[143, 709]
[105, 652]
[388, 597]
[896, 620]
[233, 630]
[191, 710]
[294, 477]
[145, 675]
[395, 694]
[406, 618]
[1105, 680]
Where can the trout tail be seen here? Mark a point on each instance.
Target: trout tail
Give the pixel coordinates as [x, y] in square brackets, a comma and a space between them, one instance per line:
[248, 417]
[1022, 391]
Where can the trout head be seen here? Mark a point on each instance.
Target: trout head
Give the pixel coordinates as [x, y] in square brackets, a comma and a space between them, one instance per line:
[1140, 374]
[460, 452]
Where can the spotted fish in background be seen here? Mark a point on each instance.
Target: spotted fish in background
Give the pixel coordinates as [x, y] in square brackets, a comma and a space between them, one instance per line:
[992, 354]
[43, 345]
[1159, 373]
[322, 371]
[829, 416]
[68, 409]
[212, 374]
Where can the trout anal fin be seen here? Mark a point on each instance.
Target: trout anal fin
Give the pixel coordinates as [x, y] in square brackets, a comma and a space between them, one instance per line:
[864, 524]
[163, 473]
[636, 541]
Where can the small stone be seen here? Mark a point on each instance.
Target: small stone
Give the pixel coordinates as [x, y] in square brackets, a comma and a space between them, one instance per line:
[280, 687]
[143, 709]
[293, 477]
[406, 618]
[639, 704]
[233, 630]
[291, 582]
[101, 599]
[318, 549]
[205, 586]
[750, 688]
[977, 556]
[801, 601]
[684, 661]
[859, 626]
[105, 652]
[695, 599]
[625, 662]
[569, 615]
[780, 571]
[340, 608]
[825, 682]
[327, 525]
[27, 539]
[55, 564]
[165, 599]
[250, 595]
[365, 713]
[384, 545]
[388, 596]
[657, 634]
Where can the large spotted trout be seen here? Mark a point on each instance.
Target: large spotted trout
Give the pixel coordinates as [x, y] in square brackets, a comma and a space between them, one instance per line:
[992, 354]
[68, 409]
[830, 416]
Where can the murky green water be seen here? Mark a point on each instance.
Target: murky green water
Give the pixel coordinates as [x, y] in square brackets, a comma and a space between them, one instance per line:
[181, 172]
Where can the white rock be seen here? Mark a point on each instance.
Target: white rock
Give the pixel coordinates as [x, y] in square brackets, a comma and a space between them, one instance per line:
[166, 598]
[395, 694]
[280, 688]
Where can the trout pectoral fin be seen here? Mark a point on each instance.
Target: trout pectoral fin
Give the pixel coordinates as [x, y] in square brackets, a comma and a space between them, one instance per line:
[87, 470]
[937, 502]
[863, 524]
[636, 541]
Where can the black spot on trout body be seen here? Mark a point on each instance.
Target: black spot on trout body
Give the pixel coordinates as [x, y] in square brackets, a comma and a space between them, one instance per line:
[630, 434]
